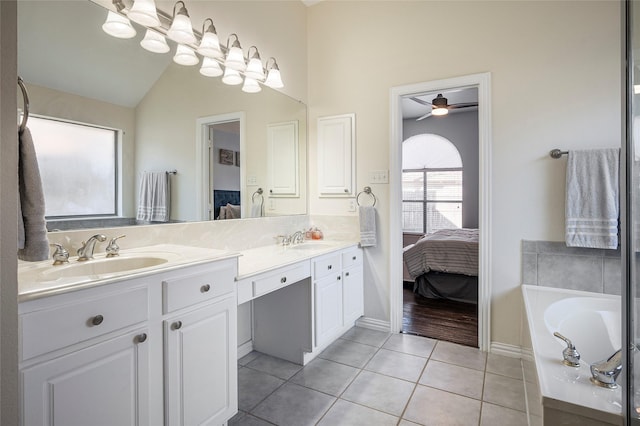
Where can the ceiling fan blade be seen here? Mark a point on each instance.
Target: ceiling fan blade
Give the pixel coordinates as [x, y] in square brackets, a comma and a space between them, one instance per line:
[420, 101]
[463, 105]
[427, 115]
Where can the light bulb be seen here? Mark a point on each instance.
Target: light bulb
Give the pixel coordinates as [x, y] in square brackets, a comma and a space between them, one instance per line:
[250, 85]
[185, 56]
[210, 67]
[144, 12]
[231, 77]
[118, 26]
[154, 42]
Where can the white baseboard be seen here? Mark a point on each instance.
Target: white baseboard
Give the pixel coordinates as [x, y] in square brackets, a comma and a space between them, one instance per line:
[374, 324]
[505, 349]
[245, 349]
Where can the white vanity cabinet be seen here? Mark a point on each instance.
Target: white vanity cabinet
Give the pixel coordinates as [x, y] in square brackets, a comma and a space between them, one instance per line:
[336, 156]
[352, 285]
[114, 354]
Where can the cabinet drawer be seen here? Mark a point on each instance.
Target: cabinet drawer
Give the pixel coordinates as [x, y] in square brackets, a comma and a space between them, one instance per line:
[351, 258]
[281, 278]
[187, 290]
[51, 329]
[325, 266]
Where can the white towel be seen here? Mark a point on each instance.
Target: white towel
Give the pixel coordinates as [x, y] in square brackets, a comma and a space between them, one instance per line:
[592, 204]
[256, 206]
[33, 244]
[367, 215]
[155, 197]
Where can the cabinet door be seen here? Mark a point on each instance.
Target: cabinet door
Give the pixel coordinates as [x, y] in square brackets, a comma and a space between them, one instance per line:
[105, 384]
[336, 155]
[201, 380]
[353, 293]
[328, 308]
[282, 159]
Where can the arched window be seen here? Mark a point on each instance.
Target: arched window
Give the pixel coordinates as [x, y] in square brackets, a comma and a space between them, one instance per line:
[431, 184]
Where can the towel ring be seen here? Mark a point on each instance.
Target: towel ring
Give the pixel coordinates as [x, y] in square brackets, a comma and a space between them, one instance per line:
[366, 190]
[25, 112]
[258, 192]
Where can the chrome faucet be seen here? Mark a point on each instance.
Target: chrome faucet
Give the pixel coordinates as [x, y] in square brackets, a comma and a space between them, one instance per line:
[604, 373]
[570, 354]
[86, 251]
[297, 237]
[113, 249]
[60, 256]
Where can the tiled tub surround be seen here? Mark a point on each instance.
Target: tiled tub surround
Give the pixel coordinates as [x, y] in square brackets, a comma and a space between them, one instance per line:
[376, 378]
[553, 264]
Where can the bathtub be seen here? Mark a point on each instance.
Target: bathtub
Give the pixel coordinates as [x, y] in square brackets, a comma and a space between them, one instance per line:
[592, 322]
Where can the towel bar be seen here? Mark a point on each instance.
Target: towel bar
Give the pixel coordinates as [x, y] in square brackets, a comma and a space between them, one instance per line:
[556, 153]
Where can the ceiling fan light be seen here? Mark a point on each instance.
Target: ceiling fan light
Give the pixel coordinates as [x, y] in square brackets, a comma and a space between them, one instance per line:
[231, 77]
[144, 13]
[210, 68]
[440, 111]
[154, 42]
[210, 46]
[185, 56]
[118, 26]
[250, 85]
[181, 30]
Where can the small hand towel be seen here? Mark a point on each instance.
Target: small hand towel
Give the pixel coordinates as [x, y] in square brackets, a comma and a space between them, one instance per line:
[367, 216]
[33, 244]
[155, 197]
[592, 198]
[256, 208]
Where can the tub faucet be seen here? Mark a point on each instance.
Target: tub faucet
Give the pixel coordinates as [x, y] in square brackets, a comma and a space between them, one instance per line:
[570, 354]
[604, 373]
[86, 251]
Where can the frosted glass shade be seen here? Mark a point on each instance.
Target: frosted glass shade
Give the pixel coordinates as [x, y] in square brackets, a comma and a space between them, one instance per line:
[235, 59]
[231, 77]
[181, 30]
[210, 68]
[144, 12]
[273, 79]
[210, 46]
[440, 111]
[154, 42]
[185, 56]
[250, 85]
[118, 26]
[254, 69]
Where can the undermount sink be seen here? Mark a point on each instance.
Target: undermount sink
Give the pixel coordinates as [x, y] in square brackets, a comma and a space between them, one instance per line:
[103, 266]
[310, 246]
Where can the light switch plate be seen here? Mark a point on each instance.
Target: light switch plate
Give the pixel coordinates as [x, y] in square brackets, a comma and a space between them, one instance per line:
[352, 205]
[379, 176]
[252, 180]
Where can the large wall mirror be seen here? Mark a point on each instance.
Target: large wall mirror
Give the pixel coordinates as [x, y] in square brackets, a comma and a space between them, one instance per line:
[167, 117]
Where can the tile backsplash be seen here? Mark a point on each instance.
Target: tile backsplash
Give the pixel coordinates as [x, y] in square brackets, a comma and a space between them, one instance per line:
[553, 264]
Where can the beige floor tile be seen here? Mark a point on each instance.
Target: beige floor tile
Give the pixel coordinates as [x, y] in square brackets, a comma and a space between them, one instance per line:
[505, 366]
[464, 356]
[345, 413]
[366, 336]
[396, 364]
[413, 345]
[453, 378]
[494, 415]
[379, 392]
[504, 391]
[430, 406]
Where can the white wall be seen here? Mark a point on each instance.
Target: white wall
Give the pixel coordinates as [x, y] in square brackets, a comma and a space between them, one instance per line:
[555, 72]
[461, 129]
[225, 176]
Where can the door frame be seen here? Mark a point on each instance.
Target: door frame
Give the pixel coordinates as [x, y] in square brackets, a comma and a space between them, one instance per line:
[204, 160]
[483, 82]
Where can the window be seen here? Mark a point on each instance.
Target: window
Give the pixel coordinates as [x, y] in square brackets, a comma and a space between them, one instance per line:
[78, 166]
[431, 184]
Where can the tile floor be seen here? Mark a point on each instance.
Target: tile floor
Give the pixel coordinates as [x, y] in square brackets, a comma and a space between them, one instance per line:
[374, 378]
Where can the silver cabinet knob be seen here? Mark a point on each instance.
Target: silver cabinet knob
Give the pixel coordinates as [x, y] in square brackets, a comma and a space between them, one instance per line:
[346, 190]
[354, 258]
[339, 277]
[176, 325]
[97, 320]
[141, 338]
[329, 267]
[205, 288]
[346, 274]
[283, 280]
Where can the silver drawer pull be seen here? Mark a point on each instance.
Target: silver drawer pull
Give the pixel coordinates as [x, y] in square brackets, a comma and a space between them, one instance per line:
[97, 320]
[329, 267]
[205, 288]
[141, 338]
[283, 280]
[176, 325]
[346, 274]
[339, 277]
[353, 258]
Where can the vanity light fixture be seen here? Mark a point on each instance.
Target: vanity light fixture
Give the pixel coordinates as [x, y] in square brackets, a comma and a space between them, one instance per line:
[254, 67]
[144, 13]
[185, 56]
[181, 30]
[118, 26]
[235, 58]
[154, 42]
[210, 68]
[274, 80]
[231, 77]
[209, 45]
[250, 85]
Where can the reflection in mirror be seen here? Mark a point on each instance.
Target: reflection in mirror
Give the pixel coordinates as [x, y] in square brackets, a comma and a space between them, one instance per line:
[168, 116]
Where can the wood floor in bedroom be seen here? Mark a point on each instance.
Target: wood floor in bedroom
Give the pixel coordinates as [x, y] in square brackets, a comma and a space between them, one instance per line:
[447, 320]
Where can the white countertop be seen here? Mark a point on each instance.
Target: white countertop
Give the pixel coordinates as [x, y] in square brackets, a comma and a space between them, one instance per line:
[264, 259]
[33, 282]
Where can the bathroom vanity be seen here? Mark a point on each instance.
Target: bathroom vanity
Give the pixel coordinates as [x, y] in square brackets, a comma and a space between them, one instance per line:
[151, 338]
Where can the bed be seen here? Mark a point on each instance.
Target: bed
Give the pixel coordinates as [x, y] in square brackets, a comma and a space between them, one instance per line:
[444, 265]
[226, 204]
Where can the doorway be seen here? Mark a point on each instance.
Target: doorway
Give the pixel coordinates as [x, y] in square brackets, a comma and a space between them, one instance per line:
[481, 83]
[220, 140]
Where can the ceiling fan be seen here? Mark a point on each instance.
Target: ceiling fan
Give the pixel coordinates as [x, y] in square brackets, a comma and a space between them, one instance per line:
[440, 106]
